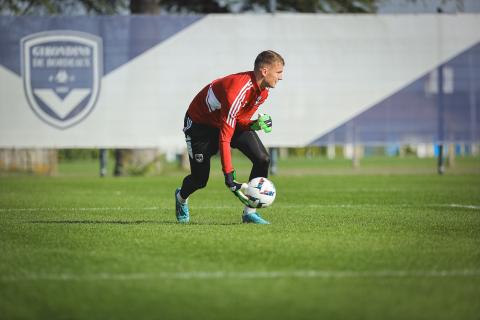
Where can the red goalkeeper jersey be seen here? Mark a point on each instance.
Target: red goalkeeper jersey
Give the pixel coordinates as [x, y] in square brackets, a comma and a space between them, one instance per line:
[228, 103]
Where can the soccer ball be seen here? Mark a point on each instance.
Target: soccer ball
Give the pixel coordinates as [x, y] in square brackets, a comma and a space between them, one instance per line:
[260, 192]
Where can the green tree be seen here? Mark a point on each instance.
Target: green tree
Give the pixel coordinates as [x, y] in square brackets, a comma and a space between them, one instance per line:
[62, 7]
[327, 6]
[111, 7]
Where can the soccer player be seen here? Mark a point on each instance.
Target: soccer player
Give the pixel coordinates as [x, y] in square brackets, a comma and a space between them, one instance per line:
[218, 118]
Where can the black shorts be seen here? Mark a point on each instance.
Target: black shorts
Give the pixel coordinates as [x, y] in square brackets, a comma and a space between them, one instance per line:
[202, 144]
[202, 140]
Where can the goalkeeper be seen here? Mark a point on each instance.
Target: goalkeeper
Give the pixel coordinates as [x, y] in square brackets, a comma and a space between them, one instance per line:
[218, 118]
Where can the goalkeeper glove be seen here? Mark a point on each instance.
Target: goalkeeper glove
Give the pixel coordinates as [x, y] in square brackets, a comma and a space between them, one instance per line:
[236, 188]
[263, 122]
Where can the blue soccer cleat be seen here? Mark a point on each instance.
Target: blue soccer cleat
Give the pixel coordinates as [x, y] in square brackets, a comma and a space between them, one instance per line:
[254, 218]
[181, 209]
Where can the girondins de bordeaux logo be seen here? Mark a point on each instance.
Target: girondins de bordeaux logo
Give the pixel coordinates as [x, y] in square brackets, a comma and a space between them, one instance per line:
[62, 72]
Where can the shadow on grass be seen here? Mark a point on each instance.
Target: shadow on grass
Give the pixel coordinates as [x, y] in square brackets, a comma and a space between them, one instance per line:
[130, 222]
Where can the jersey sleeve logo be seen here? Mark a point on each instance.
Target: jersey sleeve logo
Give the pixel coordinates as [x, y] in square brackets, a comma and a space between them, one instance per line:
[211, 100]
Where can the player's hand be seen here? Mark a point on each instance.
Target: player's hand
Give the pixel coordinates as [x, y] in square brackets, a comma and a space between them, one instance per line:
[263, 122]
[236, 188]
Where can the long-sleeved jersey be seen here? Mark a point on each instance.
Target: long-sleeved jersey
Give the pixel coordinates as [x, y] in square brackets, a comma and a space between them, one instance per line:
[227, 103]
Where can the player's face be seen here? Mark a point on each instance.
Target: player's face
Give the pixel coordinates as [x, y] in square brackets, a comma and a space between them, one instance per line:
[272, 74]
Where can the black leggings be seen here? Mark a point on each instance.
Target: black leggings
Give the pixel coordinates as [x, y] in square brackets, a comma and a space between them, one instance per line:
[202, 144]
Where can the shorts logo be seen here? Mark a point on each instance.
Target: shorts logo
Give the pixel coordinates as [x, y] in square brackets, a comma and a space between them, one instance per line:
[61, 73]
[199, 157]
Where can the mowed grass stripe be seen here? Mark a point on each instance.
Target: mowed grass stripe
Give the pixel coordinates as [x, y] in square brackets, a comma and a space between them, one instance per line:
[279, 206]
[283, 206]
[245, 275]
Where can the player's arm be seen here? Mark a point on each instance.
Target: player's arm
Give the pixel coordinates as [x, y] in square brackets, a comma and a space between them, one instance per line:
[263, 122]
[231, 95]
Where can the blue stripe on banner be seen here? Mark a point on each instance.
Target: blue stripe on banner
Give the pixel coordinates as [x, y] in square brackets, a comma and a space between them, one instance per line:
[411, 115]
[124, 37]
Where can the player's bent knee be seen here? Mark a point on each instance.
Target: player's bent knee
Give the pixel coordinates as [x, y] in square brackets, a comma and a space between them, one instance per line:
[202, 185]
[201, 182]
[263, 160]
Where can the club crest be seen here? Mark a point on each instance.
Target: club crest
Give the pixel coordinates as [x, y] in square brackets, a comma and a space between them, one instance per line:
[61, 73]
[199, 157]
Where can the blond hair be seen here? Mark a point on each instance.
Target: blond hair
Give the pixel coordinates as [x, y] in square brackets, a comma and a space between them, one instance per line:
[267, 57]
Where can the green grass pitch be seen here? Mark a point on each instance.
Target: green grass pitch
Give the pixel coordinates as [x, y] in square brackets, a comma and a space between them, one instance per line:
[340, 246]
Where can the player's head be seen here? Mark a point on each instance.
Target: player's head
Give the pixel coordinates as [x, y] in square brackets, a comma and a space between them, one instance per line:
[269, 67]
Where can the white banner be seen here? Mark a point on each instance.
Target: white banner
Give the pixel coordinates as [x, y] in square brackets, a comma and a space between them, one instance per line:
[336, 67]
